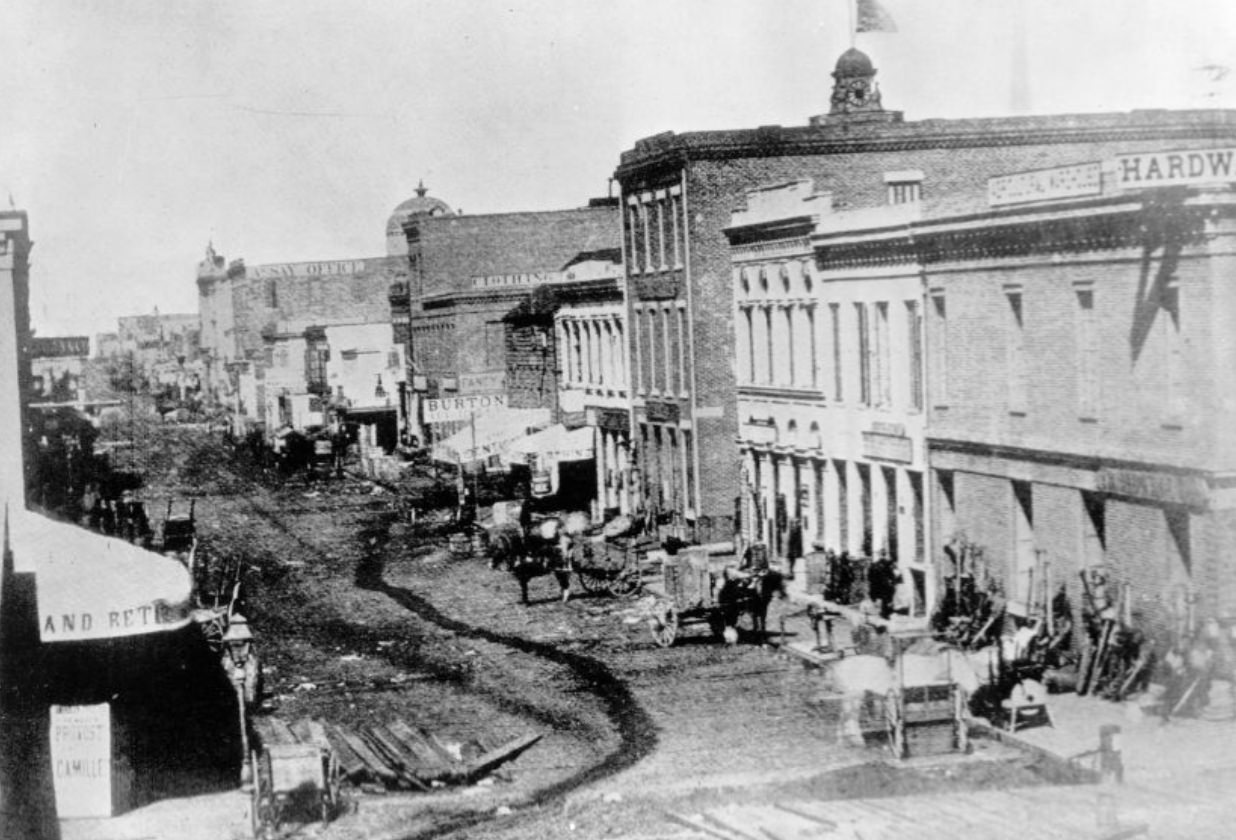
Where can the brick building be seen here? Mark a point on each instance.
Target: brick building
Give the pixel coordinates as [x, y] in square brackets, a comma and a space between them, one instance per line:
[57, 363]
[566, 351]
[465, 275]
[678, 191]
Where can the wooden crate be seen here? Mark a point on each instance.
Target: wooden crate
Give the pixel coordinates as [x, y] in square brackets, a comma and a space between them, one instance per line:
[687, 580]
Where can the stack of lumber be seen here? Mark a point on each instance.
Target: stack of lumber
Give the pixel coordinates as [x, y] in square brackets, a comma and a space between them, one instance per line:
[396, 755]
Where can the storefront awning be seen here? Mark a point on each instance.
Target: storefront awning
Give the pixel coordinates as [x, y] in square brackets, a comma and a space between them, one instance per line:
[555, 444]
[95, 587]
[490, 434]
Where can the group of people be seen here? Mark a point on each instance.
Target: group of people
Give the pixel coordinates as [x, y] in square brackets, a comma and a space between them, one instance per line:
[124, 517]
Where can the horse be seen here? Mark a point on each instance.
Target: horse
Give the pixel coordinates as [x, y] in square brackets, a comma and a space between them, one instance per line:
[544, 550]
[749, 593]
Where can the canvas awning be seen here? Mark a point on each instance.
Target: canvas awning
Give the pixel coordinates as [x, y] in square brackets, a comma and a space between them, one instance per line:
[489, 434]
[555, 444]
[95, 587]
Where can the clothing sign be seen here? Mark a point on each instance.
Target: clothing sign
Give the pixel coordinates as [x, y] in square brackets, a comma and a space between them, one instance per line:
[81, 753]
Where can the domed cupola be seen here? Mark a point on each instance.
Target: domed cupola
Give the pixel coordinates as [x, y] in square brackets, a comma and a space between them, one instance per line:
[419, 206]
[854, 87]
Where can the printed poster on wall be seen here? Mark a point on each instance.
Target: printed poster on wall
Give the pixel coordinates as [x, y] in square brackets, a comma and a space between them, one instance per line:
[81, 753]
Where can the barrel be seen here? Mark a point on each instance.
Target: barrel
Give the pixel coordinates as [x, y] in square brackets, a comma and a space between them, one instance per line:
[460, 545]
[816, 565]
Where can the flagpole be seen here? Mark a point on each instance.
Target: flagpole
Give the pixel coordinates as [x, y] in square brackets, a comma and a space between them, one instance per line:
[852, 8]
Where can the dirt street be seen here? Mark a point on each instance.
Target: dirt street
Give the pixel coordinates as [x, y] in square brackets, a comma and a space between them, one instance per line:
[362, 617]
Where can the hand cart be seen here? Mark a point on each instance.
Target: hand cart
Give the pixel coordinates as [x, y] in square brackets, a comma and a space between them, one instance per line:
[292, 780]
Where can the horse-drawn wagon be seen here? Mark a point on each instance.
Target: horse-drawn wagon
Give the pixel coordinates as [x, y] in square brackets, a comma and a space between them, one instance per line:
[691, 593]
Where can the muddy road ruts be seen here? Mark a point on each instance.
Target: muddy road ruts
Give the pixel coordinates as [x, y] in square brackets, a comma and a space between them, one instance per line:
[636, 732]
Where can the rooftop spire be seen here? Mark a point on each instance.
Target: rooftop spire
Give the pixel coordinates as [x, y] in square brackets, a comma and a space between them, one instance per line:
[420, 188]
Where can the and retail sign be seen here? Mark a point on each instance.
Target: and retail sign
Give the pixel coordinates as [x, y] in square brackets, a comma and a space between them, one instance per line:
[449, 409]
[81, 756]
[1045, 184]
[1162, 169]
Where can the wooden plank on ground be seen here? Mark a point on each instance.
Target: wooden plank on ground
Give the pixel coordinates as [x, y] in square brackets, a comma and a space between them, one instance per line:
[415, 735]
[774, 823]
[491, 759]
[434, 762]
[391, 753]
[376, 764]
[353, 765]
[701, 823]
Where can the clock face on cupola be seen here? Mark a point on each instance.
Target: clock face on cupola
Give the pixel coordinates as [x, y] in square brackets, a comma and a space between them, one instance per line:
[854, 87]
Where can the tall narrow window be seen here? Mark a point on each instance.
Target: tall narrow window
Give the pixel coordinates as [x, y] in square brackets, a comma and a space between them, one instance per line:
[834, 311]
[746, 347]
[938, 354]
[673, 372]
[638, 340]
[635, 258]
[680, 316]
[813, 352]
[272, 294]
[1015, 352]
[914, 338]
[663, 227]
[843, 505]
[1087, 356]
[787, 344]
[656, 365]
[880, 357]
[645, 212]
[864, 354]
[770, 358]
[656, 248]
[676, 227]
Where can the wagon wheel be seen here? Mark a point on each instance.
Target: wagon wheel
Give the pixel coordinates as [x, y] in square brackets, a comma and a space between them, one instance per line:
[262, 809]
[896, 731]
[591, 580]
[625, 583]
[664, 626]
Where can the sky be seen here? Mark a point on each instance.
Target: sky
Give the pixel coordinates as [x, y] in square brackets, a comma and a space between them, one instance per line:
[133, 132]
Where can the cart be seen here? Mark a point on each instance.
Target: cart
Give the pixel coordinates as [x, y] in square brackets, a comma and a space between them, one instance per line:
[611, 564]
[926, 719]
[293, 780]
[684, 597]
[179, 529]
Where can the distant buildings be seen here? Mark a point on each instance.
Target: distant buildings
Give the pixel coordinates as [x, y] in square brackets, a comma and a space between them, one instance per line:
[57, 365]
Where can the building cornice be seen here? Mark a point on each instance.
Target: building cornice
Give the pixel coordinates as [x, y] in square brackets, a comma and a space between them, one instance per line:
[671, 150]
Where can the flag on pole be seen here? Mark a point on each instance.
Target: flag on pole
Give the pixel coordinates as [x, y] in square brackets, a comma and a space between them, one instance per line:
[872, 17]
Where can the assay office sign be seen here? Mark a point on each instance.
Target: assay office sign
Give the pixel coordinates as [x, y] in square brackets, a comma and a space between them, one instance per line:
[1165, 169]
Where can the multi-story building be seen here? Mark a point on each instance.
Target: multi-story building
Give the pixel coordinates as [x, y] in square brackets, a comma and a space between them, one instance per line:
[15, 373]
[465, 275]
[678, 192]
[57, 364]
[829, 368]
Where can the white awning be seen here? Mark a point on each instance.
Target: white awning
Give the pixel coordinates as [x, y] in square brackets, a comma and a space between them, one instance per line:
[96, 587]
[491, 434]
[556, 444]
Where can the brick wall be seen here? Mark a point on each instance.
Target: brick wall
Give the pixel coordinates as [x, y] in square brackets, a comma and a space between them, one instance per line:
[302, 301]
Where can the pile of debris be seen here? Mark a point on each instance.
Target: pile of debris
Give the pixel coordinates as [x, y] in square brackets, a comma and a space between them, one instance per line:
[394, 756]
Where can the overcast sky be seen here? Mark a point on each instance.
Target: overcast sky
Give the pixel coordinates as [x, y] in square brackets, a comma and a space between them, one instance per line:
[134, 132]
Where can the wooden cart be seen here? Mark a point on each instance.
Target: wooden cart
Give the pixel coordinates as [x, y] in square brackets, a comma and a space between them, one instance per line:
[290, 781]
[927, 720]
[685, 596]
[611, 565]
